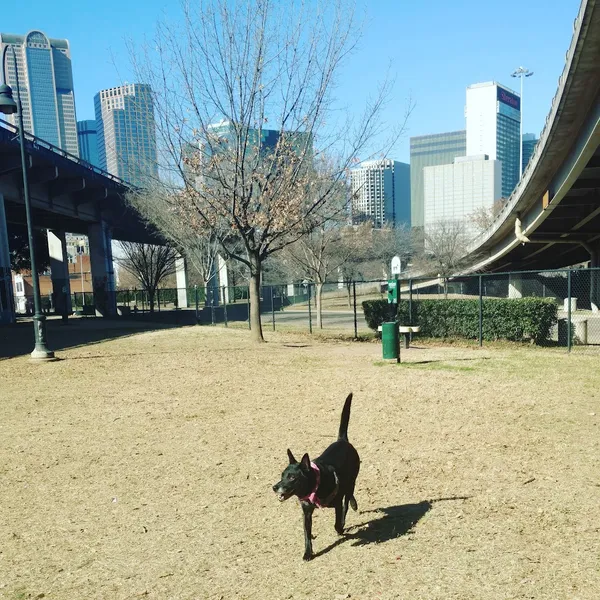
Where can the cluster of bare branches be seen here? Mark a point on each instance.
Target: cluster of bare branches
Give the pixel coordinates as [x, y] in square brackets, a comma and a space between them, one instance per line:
[442, 251]
[161, 208]
[149, 263]
[483, 218]
[250, 134]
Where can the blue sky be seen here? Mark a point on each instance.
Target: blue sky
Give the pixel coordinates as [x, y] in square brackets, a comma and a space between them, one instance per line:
[436, 48]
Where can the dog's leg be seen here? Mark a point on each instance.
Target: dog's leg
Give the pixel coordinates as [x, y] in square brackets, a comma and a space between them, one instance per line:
[339, 517]
[307, 509]
[348, 499]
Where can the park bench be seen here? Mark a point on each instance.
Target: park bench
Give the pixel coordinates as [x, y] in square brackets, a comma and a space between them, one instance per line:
[406, 330]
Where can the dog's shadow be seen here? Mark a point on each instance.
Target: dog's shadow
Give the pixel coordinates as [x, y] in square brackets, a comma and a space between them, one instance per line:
[390, 523]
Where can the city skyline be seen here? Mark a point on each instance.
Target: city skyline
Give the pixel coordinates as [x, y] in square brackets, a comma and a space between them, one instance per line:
[101, 59]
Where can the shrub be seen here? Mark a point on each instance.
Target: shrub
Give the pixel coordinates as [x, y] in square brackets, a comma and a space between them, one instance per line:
[503, 319]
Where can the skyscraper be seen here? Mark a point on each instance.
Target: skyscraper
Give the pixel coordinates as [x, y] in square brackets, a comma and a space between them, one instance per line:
[529, 143]
[46, 86]
[88, 141]
[455, 192]
[493, 114]
[381, 193]
[429, 151]
[126, 132]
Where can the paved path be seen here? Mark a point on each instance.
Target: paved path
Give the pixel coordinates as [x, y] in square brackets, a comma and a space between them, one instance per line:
[331, 319]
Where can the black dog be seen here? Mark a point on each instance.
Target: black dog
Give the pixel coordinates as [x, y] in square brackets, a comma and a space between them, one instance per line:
[327, 482]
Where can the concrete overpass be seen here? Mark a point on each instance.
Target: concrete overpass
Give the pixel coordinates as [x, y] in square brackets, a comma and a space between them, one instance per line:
[552, 219]
[67, 195]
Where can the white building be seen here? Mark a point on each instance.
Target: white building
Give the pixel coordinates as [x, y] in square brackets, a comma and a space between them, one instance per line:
[454, 192]
[381, 193]
[493, 116]
[45, 86]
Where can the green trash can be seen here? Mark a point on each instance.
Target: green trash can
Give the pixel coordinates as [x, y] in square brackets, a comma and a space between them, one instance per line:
[390, 340]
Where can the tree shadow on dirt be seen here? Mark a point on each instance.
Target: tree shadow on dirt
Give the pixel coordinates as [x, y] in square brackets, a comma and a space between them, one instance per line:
[390, 523]
[17, 339]
[446, 360]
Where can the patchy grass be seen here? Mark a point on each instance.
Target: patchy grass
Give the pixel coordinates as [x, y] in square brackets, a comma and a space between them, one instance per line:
[141, 467]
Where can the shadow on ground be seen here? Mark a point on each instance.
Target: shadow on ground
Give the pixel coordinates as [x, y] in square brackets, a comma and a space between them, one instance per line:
[390, 523]
[17, 339]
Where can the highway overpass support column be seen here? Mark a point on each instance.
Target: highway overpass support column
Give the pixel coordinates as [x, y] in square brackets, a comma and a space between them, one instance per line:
[181, 279]
[103, 275]
[515, 285]
[59, 265]
[7, 301]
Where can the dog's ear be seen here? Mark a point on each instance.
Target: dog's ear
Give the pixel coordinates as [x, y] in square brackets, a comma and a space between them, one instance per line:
[305, 462]
[293, 461]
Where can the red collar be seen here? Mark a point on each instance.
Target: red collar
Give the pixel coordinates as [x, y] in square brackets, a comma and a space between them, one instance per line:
[312, 497]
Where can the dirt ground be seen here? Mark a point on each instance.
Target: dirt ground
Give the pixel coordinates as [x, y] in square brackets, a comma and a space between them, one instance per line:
[142, 467]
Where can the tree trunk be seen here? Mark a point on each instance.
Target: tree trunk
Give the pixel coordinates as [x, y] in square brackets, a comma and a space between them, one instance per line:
[319, 301]
[255, 325]
[206, 298]
[151, 294]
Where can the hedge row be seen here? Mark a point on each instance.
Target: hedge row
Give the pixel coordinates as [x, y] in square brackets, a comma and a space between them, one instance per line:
[503, 319]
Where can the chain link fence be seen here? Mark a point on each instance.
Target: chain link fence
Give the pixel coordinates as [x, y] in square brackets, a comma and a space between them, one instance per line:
[338, 306]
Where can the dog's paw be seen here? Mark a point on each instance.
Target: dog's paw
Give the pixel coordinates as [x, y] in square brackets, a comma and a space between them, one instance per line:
[307, 556]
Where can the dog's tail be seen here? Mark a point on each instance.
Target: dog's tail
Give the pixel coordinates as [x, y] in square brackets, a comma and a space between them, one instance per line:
[343, 434]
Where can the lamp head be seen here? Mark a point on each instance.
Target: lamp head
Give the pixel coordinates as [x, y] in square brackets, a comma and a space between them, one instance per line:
[7, 104]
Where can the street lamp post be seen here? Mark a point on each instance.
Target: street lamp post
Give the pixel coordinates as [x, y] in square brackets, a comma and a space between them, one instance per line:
[521, 73]
[80, 251]
[8, 107]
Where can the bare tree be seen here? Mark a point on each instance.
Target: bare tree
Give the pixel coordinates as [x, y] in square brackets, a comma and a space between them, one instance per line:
[160, 207]
[229, 71]
[389, 242]
[150, 263]
[483, 218]
[325, 249]
[444, 252]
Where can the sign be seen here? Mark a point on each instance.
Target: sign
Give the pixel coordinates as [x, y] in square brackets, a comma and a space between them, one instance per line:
[509, 98]
[396, 265]
[392, 292]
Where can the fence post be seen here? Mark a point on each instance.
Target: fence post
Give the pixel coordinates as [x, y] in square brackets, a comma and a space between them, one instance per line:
[225, 306]
[309, 312]
[249, 324]
[212, 306]
[272, 309]
[569, 340]
[480, 310]
[354, 302]
[410, 317]
[158, 299]
[196, 299]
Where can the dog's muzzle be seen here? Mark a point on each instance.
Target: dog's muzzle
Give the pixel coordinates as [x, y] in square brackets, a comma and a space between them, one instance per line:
[282, 494]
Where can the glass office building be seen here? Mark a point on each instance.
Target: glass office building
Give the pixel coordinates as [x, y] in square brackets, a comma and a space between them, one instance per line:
[126, 133]
[430, 151]
[381, 193]
[493, 115]
[46, 86]
[529, 143]
[88, 141]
